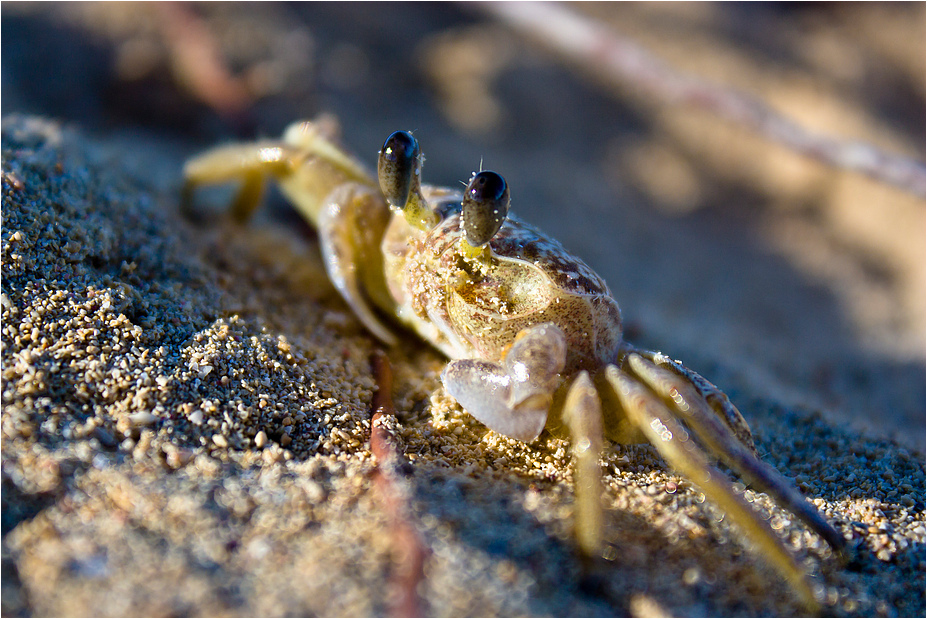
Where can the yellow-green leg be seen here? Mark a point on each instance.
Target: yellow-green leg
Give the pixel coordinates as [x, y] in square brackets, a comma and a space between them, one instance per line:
[672, 440]
[245, 164]
[674, 383]
[582, 412]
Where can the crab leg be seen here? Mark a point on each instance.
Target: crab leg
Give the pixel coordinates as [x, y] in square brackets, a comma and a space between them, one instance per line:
[247, 164]
[306, 164]
[582, 412]
[351, 224]
[675, 383]
[718, 401]
[671, 439]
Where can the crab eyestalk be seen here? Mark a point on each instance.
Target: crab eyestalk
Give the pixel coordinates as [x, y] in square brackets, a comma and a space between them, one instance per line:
[399, 170]
[485, 207]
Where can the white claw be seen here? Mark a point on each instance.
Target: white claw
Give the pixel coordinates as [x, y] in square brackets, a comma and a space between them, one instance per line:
[513, 399]
[485, 390]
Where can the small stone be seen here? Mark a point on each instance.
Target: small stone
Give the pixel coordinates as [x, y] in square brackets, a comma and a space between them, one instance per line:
[179, 457]
[271, 456]
[315, 491]
[142, 419]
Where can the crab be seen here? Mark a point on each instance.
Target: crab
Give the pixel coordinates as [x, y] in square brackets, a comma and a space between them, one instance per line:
[533, 334]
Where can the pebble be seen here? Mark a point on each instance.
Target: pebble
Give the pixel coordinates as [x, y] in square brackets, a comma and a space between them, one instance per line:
[142, 419]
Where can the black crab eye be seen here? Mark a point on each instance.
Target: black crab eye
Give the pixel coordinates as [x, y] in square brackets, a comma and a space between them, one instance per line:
[485, 207]
[397, 167]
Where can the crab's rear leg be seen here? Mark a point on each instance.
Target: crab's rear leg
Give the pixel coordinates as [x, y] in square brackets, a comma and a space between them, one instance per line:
[247, 164]
[719, 405]
[704, 409]
[307, 163]
[660, 425]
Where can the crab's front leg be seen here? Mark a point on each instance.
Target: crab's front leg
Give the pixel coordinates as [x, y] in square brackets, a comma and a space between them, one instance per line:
[248, 164]
[306, 162]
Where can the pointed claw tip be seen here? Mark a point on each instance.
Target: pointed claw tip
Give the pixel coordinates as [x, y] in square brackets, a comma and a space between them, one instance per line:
[529, 434]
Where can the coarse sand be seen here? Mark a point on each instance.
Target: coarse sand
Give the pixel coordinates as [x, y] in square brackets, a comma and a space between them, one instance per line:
[185, 432]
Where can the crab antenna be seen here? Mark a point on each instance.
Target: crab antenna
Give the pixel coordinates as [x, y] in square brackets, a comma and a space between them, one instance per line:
[399, 170]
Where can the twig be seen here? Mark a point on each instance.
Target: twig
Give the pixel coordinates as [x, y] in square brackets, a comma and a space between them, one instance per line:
[408, 546]
[198, 64]
[383, 444]
[576, 37]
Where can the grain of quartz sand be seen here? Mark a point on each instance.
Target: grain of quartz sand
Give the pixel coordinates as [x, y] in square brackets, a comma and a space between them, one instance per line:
[185, 422]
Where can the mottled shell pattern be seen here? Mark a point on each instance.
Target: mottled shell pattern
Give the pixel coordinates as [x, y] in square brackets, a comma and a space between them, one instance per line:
[475, 307]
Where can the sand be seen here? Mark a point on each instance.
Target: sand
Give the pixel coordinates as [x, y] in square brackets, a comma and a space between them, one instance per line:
[186, 407]
[186, 411]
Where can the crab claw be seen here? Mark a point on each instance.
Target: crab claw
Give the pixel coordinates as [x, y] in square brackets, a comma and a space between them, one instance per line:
[485, 391]
[512, 398]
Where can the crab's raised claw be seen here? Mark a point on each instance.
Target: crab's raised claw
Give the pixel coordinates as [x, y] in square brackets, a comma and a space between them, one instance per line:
[351, 222]
[512, 398]
[675, 384]
[660, 425]
[484, 389]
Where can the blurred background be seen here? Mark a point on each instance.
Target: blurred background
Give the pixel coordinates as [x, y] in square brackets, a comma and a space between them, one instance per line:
[774, 275]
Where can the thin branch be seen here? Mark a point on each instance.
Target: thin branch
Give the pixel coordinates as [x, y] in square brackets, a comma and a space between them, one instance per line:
[409, 549]
[576, 37]
[383, 444]
[198, 64]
